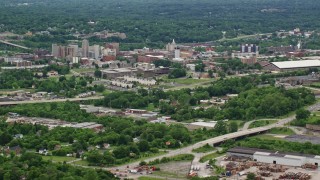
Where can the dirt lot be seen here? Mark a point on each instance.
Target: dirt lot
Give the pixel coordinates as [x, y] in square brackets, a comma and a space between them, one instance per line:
[174, 169]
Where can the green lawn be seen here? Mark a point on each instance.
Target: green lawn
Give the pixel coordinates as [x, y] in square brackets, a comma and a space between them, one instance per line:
[210, 156]
[150, 107]
[168, 174]
[84, 70]
[204, 149]
[188, 81]
[267, 137]
[58, 158]
[281, 130]
[148, 178]
[106, 92]
[81, 163]
[261, 123]
[315, 85]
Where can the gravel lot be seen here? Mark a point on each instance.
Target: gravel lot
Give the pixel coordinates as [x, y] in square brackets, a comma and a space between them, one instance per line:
[303, 139]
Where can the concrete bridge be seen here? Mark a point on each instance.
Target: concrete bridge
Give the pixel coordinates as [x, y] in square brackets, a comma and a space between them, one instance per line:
[15, 45]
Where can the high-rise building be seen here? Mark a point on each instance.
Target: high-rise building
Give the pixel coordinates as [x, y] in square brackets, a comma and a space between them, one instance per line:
[59, 51]
[85, 48]
[252, 48]
[114, 46]
[177, 53]
[55, 50]
[94, 51]
[72, 50]
[171, 46]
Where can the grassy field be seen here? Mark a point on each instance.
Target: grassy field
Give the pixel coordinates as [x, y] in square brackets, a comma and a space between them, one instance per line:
[267, 137]
[58, 158]
[210, 156]
[168, 174]
[204, 149]
[281, 130]
[150, 107]
[179, 157]
[106, 92]
[81, 163]
[148, 178]
[185, 81]
[84, 70]
[261, 123]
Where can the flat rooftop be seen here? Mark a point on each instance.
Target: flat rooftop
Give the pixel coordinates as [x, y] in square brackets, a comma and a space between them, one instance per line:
[297, 64]
[252, 151]
[248, 151]
[205, 124]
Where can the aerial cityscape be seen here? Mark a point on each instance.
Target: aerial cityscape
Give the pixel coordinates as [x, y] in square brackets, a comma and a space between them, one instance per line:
[159, 90]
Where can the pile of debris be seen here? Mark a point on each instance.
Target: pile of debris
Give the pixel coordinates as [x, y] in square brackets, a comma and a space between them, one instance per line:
[310, 166]
[298, 176]
[272, 168]
[236, 158]
[232, 166]
[265, 173]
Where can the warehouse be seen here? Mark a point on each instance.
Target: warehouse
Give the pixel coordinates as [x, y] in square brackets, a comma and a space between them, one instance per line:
[292, 65]
[275, 157]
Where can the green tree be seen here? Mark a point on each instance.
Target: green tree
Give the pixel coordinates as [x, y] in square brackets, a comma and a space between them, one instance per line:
[91, 175]
[220, 127]
[302, 114]
[233, 127]
[251, 176]
[97, 73]
[143, 146]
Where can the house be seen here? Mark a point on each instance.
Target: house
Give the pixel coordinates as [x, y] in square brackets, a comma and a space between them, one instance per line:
[57, 147]
[137, 111]
[14, 149]
[43, 151]
[18, 136]
[52, 73]
[106, 145]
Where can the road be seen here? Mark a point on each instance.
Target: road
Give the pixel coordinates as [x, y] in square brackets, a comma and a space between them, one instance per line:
[247, 124]
[215, 140]
[48, 101]
[15, 45]
[245, 37]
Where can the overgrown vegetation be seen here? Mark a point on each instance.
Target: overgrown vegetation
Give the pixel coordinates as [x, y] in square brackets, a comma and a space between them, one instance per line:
[32, 166]
[203, 149]
[180, 157]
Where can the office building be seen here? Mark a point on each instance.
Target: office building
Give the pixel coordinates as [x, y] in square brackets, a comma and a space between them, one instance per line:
[252, 48]
[85, 48]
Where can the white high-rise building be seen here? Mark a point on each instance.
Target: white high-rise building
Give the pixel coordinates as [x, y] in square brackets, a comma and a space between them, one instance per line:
[85, 48]
[177, 53]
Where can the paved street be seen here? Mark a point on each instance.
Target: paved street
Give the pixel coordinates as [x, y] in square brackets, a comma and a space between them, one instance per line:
[48, 101]
[215, 140]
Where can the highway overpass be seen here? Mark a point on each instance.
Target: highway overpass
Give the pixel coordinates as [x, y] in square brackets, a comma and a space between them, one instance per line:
[14, 45]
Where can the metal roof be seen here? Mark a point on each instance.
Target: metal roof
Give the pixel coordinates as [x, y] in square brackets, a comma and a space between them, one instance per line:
[264, 152]
[297, 64]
